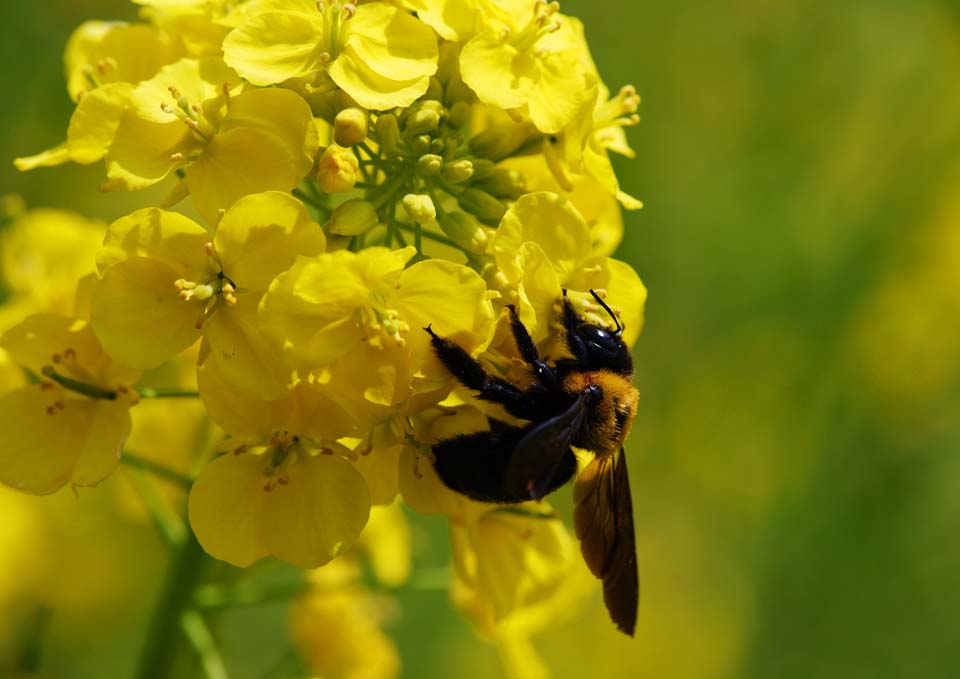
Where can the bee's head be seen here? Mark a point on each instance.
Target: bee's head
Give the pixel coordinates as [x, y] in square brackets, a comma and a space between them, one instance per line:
[601, 347]
[605, 349]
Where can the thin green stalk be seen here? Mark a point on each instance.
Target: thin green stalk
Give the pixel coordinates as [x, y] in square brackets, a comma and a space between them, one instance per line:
[168, 524]
[429, 235]
[164, 635]
[167, 392]
[247, 593]
[200, 637]
[91, 390]
[156, 469]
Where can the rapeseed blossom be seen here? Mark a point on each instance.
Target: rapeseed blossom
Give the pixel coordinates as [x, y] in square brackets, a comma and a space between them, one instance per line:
[361, 171]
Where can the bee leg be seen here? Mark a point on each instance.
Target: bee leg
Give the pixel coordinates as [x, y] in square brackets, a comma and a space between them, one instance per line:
[528, 352]
[471, 374]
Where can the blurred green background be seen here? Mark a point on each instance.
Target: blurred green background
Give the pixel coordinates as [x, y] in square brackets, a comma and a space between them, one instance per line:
[796, 460]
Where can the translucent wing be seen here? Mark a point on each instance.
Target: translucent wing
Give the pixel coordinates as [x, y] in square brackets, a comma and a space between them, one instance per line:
[539, 453]
[603, 519]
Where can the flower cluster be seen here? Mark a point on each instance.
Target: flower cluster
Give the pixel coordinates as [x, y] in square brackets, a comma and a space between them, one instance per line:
[355, 173]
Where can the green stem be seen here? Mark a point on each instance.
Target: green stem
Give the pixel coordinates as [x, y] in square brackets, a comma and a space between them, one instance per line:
[246, 594]
[167, 522]
[429, 235]
[167, 392]
[157, 469]
[159, 654]
[91, 390]
[197, 631]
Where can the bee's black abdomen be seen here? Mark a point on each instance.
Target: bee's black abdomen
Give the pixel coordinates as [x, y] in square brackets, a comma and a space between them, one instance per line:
[476, 464]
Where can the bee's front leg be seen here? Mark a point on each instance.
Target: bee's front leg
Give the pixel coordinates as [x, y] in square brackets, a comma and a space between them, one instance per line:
[528, 352]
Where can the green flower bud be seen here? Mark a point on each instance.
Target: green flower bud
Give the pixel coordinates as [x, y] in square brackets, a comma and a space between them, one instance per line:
[434, 89]
[422, 121]
[457, 171]
[482, 168]
[459, 114]
[421, 144]
[419, 207]
[502, 141]
[388, 131]
[350, 127]
[501, 183]
[429, 165]
[353, 217]
[465, 231]
[482, 205]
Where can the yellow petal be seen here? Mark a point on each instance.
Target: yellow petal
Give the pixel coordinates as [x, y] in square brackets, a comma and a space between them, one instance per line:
[320, 512]
[496, 71]
[222, 174]
[456, 20]
[275, 46]
[225, 508]
[392, 42]
[38, 451]
[196, 80]
[109, 429]
[369, 87]
[140, 155]
[58, 155]
[539, 290]
[138, 316]
[167, 237]
[557, 93]
[261, 235]
[94, 123]
[34, 342]
[248, 362]
[553, 223]
[450, 297]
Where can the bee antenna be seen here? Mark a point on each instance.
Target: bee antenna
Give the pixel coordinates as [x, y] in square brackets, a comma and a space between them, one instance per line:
[609, 311]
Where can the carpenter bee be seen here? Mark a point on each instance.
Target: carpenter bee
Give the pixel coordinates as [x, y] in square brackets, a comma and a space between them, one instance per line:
[587, 401]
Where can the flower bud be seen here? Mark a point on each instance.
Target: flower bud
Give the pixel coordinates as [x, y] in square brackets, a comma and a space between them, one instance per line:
[350, 127]
[503, 183]
[353, 217]
[420, 208]
[501, 141]
[434, 89]
[422, 121]
[459, 114]
[482, 205]
[465, 231]
[337, 170]
[429, 165]
[457, 171]
[482, 168]
[420, 144]
[388, 132]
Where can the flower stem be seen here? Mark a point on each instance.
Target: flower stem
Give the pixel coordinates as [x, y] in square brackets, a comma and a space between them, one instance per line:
[91, 390]
[157, 469]
[159, 654]
[167, 392]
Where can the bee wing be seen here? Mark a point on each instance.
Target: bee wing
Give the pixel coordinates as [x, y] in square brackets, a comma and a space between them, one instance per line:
[603, 519]
[538, 455]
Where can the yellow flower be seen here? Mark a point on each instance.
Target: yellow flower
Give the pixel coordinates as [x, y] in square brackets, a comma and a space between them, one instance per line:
[190, 118]
[338, 170]
[526, 60]
[286, 487]
[104, 60]
[457, 20]
[336, 626]
[377, 53]
[102, 52]
[324, 306]
[199, 26]
[165, 282]
[70, 426]
[42, 256]
[516, 572]
[544, 245]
